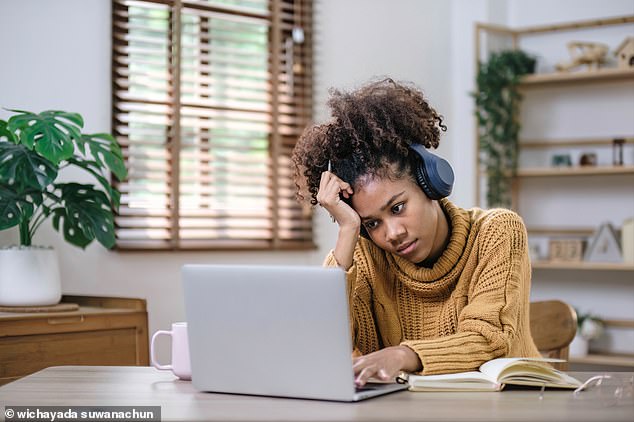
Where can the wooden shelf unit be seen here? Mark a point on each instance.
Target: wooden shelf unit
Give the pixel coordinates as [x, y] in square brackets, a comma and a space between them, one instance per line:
[557, 84]
[556, 143]
[575, 171]
[103, 331]
[584, 76]
[604, 360]
[573, 265]
[554, 79]
[557, 79]
[599, 266]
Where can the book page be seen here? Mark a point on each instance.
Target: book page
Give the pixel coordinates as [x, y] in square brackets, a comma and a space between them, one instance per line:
[528, 371]
[462, 381]
[495, 367]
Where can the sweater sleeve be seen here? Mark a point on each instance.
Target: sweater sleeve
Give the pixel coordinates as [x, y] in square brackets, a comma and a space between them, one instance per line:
[362, 324]
[497, 297]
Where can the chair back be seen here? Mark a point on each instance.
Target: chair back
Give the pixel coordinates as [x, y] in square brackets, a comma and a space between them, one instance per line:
[553, 326]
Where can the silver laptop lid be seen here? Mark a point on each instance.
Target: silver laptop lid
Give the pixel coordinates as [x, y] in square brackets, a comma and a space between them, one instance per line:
[269, 330]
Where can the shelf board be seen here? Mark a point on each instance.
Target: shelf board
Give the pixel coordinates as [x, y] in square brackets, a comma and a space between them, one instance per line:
[602, 75]
[606, 266]
[600, 359]
[619, 323]
[561, 231]
[578, 142]
[575, 171]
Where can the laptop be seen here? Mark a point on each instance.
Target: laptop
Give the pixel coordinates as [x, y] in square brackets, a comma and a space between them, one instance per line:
[272, 331]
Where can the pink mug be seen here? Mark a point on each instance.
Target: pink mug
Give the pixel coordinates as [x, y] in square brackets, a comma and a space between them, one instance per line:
[180, 365]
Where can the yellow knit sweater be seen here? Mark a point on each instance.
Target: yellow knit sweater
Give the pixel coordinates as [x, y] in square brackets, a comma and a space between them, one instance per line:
[470, 307]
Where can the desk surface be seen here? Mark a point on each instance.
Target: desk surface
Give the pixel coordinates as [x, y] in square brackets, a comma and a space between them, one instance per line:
[146, 386]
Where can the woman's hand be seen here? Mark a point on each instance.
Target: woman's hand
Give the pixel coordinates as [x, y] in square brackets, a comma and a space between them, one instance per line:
[328, 196]
[331, 188]
[385, 364]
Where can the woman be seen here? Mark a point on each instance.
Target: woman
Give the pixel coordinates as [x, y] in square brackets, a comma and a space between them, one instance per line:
[433, 288]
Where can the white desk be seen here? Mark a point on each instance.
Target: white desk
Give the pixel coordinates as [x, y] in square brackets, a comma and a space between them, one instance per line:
[146, 386]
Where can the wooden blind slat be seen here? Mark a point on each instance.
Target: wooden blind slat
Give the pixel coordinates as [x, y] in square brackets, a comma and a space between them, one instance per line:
[203, 104]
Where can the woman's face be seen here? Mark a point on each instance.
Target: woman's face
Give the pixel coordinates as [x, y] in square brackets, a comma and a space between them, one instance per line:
[398, 216]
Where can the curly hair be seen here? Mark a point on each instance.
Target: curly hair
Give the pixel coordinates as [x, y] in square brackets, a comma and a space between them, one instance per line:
[369, 135]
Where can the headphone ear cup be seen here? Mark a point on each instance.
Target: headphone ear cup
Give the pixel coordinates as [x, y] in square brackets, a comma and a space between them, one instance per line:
[434, 174]
[419, 172]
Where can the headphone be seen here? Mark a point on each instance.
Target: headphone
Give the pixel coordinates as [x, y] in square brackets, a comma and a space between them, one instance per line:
[433, 174]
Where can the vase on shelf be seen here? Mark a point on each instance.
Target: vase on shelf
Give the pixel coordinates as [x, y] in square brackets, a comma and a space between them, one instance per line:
[579, 347]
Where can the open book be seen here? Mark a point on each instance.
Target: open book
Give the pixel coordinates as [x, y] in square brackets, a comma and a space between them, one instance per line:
[495, 374]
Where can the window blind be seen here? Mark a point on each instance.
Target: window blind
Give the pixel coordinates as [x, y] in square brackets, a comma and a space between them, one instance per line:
[209, 98]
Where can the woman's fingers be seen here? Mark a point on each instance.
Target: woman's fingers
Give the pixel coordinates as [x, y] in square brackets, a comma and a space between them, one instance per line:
[373, 371]
[330, 187]
[382, 364]
[365, 374]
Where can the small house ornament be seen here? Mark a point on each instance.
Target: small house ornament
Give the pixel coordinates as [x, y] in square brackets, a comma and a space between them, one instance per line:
[625, 54]
[604, 246]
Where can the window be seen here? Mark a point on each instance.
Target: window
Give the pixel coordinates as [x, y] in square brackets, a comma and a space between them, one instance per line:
[209, 98]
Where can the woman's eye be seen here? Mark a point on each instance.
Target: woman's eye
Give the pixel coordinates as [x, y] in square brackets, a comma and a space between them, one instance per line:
[369, 225]
[396, 209]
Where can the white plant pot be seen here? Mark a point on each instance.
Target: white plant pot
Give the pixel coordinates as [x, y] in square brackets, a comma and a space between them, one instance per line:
[29, 277]
[578, 347]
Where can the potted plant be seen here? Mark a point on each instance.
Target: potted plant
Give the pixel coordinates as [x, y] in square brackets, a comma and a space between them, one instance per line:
[497, 107]
[34, 148]
[589, 327]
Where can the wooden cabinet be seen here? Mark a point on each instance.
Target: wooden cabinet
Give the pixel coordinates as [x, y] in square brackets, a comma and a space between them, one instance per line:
[103, 331]
[575, 115]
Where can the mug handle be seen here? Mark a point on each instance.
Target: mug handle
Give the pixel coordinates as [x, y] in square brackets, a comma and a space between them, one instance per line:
[152, 349]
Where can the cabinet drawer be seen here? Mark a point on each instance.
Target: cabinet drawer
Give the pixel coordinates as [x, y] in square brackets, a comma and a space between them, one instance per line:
[23, 355]
[71, 322]
[103, 331]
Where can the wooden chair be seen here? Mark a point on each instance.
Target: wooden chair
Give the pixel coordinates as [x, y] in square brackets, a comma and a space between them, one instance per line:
[553, 326]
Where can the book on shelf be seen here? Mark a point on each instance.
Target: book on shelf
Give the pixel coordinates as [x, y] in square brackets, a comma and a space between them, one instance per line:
[495, 374]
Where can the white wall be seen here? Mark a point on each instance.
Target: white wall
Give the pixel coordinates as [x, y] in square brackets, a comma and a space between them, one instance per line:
[56, 54]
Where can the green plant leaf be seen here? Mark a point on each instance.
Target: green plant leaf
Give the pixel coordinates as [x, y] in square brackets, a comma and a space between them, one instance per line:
[86, 215]
[16, 208]
[32, 146]
[22, 169]
[93, 168]
[105, 149]
[497, 106]
[6, 133]
[52, 133]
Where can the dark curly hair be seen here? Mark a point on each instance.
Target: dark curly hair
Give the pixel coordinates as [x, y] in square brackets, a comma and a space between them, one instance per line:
[368, 135]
